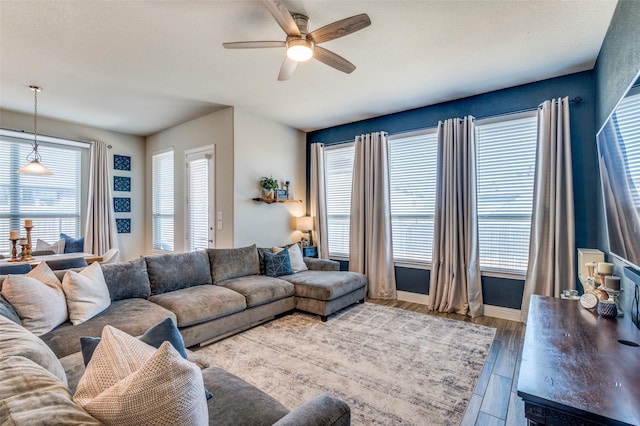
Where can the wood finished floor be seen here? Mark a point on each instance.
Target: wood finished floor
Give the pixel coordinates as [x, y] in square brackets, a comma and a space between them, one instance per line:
[494, 400]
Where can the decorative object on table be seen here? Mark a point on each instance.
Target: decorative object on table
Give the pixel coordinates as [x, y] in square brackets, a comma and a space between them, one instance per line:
[587, 262]
[287, 185]
[305, 224]
[121, 162]
[28, 225]
[122, 183]
[14, 251]
[34, 166]
[269, 185]
[607, 309]
[23, 249]
[124, 226]
[611, 282]
[589, 301]
[122, 204]
[570, 294]
[281, 194]
[614, 296]
[602, 270]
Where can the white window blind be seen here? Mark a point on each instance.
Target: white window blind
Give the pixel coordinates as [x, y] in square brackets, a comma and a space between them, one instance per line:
[162, 200]
[199, 211]
[413, 165]
[627, 119]
[52, 202]
[339, 175]
[506, 154]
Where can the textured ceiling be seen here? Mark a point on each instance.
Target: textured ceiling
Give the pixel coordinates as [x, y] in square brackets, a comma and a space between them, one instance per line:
[143, 66]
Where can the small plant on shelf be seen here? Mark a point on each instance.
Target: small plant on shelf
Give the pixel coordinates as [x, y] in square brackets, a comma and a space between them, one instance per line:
[269, 184]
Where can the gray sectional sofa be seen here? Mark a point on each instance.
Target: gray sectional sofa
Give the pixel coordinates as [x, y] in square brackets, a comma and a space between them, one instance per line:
[210, 295]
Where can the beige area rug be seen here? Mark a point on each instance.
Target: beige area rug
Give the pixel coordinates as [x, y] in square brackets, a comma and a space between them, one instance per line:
[390, 365]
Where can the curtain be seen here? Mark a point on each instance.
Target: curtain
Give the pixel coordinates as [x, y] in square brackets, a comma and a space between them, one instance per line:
[455, 273]
[318, 200]
[370, 243]
[552, 243]
[100, 233]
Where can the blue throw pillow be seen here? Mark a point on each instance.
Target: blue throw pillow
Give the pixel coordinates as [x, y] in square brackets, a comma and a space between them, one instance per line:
[277, 264]
[165, 330]
[23, 268]
[7, 311]
[73, 245]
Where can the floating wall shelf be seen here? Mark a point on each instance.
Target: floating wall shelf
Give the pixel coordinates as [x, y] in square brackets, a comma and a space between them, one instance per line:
[273, 200]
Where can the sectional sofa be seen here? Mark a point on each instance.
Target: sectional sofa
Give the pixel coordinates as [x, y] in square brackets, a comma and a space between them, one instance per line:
[212, 294]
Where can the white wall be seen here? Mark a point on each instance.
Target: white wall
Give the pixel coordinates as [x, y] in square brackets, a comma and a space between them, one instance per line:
[212, 129]
[264, 148]
[131, 245]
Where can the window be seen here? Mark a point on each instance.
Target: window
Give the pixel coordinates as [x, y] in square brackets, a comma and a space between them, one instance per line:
[506, 154]
[627, 119]
[162, 200]
[52, 202]
[200, 200]
[412, 174]
[339, 175]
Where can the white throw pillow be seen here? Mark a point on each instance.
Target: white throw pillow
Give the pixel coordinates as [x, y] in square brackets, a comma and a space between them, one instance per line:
[295, 256]
[57, 247]
[87, 293]
[37, 299]
[128, 382]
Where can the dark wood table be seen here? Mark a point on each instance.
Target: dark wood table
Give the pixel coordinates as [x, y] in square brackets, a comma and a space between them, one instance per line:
[574, 371]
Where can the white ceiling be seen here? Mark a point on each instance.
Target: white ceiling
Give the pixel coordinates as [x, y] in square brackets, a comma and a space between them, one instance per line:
[139, 67]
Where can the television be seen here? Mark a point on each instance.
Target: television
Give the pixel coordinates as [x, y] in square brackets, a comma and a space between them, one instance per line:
[619, 162]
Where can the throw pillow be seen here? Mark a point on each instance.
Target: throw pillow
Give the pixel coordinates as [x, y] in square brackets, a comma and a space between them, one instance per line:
[129, 382]
[277, 264]
[57, 247]
[295, 256]
[7, 311]
[37, 298]
[86, 292]
[164, 331]
[72, 245]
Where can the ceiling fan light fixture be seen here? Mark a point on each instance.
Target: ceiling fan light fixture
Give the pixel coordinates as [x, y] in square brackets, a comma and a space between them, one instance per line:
[300, 50]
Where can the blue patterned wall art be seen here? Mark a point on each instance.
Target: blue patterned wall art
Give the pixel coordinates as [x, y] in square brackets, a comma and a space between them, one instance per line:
[124, 226]
[122, 205]
[121, 162]
[122, 183]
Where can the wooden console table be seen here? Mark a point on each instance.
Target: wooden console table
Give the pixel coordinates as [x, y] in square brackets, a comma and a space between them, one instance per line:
[574, 371]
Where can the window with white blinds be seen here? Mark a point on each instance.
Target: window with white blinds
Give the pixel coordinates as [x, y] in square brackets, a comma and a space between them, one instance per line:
[162, 201]
[412, 175]
[52, 202]
[627, 119]
[339, 175]
[506, 155]
[199, 205]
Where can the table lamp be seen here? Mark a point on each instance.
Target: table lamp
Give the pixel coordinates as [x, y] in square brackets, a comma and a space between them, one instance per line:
[305, 224]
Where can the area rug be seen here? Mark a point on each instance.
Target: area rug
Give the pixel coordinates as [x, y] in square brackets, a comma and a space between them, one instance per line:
[390, 365]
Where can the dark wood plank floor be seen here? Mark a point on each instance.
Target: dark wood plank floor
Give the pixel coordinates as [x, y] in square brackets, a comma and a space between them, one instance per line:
[494, 400]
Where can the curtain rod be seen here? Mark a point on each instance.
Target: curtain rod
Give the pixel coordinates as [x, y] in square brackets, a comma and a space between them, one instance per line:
[44, 138]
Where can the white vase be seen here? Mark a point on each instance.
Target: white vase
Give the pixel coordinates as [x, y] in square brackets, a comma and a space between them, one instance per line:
[267, 193]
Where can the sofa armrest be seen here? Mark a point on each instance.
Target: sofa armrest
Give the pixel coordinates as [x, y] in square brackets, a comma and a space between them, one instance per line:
[324, 409]
[321, 264]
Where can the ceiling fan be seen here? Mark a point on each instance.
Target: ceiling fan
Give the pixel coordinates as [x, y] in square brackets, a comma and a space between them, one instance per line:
[301, 44]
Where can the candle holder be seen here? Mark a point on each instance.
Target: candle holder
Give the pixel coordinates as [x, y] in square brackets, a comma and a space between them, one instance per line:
[615, 296]
[14, 251]
[28, 251]
[23, 252]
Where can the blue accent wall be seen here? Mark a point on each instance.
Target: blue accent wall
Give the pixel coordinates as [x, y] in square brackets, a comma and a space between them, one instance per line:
[498, 291]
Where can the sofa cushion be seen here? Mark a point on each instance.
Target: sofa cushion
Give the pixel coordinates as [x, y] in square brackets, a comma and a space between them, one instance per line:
[43, 246]
[195, 305]
[175, 271]
[233, 263]
[7, 311]
[86, 292]
[16, 340]
[133, 316]
[75, 262]
[129, 382]
[259, 289]
[325, 285]
[127, 280]
[72, 245]
[20, 268]
[31, 395]
[37, 298]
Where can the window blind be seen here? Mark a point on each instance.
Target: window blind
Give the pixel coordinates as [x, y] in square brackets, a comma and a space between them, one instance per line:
[627, 117]
[198, 209]
[506, 154]
[412, 174]
[162, 201]
[339, 176]
[52, 202]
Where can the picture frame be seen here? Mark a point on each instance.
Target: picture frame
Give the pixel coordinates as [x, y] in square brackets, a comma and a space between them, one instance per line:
[281, 194]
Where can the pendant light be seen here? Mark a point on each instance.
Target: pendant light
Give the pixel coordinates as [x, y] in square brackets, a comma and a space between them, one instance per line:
[34, 166]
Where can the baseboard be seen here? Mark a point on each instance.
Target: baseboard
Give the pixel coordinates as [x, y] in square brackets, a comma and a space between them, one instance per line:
[407, 296]
[502, 312]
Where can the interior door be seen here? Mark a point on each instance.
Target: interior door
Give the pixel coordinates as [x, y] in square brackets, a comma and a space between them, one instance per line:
[200, 200]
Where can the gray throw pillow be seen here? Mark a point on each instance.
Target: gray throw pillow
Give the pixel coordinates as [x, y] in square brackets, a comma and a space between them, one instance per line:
[233, 263]
[127, 280]
[175, 271]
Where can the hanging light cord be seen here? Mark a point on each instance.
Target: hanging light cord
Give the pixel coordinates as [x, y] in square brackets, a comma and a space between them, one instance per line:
[34, 152]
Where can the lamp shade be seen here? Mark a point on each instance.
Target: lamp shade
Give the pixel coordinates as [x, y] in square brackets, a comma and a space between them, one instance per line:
[304, 223]
[34, 167]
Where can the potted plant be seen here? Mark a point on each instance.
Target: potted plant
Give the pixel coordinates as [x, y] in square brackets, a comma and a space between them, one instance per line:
[269, 184]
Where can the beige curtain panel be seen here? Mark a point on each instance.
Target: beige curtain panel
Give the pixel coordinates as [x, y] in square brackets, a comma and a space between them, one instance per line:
[552, 244]
[370, 243]
[318, 200]
[455, 273]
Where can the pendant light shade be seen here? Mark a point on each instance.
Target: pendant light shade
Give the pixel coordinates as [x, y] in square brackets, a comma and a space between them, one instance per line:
[34, 166]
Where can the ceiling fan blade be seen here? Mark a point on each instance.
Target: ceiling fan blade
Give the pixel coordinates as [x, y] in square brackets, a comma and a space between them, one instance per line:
[340, 28]
[336, 61]
[283, 17]
[287, 69]
[253, 44]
